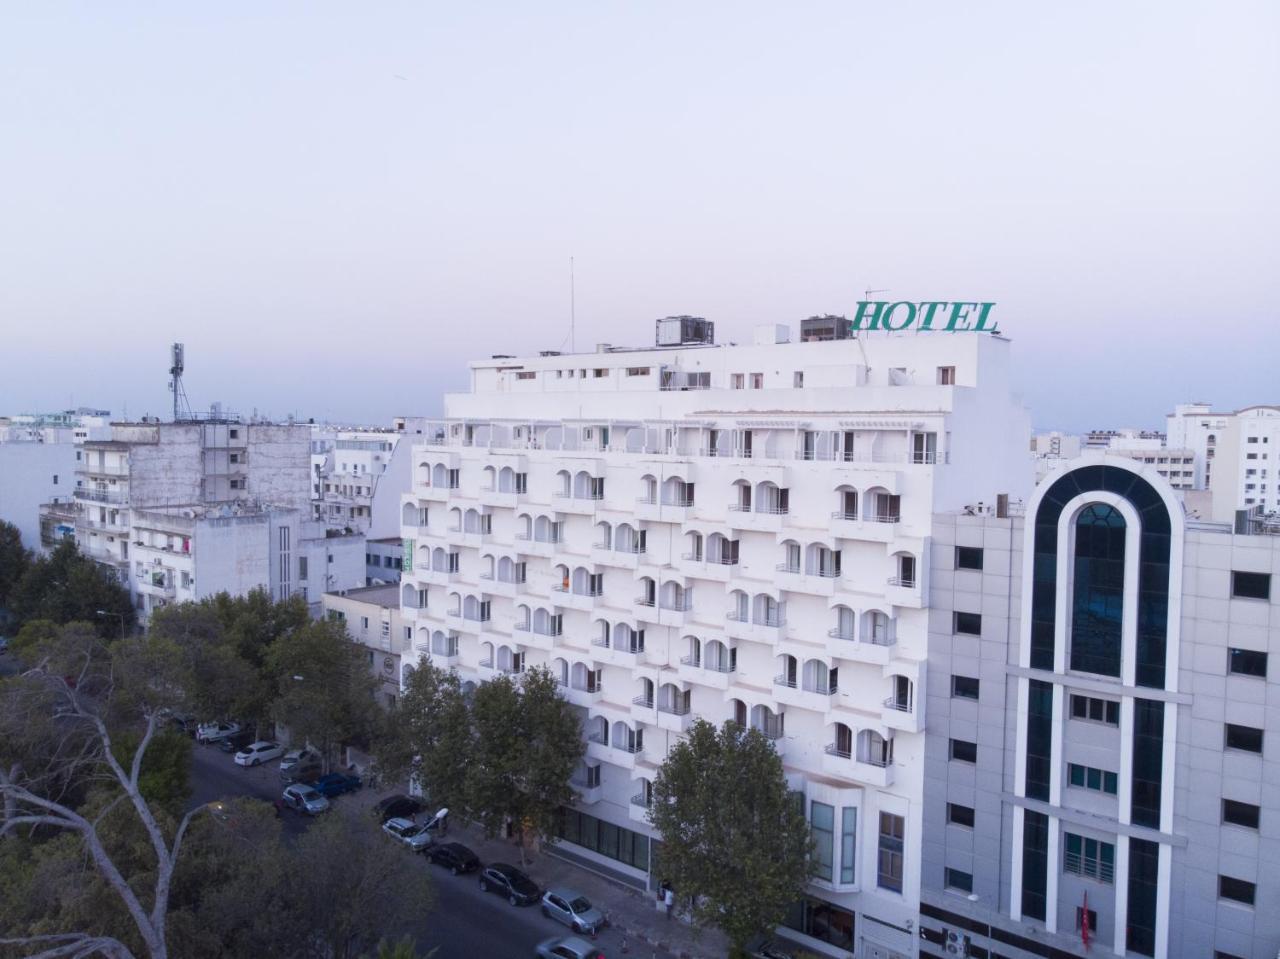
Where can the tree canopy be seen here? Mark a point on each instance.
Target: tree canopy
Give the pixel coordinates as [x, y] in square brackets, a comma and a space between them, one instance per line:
[14, 560]
[735, 843]
[67, 586]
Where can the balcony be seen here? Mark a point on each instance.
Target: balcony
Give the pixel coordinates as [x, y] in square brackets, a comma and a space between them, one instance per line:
[538, 547]
[623, 755]
[91, 495]
[621, 558]
[674, 716]
[719, 570]
[642, 709]
[843, 646]
[903, 715]
[436, 494]
[639, 806]
[436, 577]
[875, 528]
[904, 592]
[762, 519]
[769, 629]
[586, 601]
[675, 612]
[842, 764]
[628, 656]
[505, 499]
[807, 695]
[503, 587]
[815, 582]
[584, 696]
[585, 505]
[588, 794]
[542, 637]
[664, 511]
[443, 657]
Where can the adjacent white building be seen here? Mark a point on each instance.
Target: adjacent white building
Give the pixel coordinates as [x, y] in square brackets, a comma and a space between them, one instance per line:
[374, 620]
[359, 475]
[735, 533]
[1237, 455]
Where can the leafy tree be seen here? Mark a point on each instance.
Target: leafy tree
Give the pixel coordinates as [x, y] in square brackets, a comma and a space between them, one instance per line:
[325, 691]
[68, 586]
[404, 948]
[32, 634]
[428, 735]
[721, 803]
[527, 743]
[223, 681]
[14, 560]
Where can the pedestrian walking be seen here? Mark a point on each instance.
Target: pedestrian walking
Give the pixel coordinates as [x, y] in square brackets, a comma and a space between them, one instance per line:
[669, 899]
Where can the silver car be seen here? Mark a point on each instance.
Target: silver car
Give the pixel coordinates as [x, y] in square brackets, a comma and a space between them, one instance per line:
[573, 909]
[568, 947]
[416, 837]
[304, 799]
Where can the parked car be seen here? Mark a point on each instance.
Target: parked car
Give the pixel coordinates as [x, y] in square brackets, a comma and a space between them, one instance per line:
[454, 856]
[260, 752]
[398, 806]
[766, 947]
[568, 947]
[416, 837]
[335, 784]
[301, 765]
[183, 723]
[235, 742]
[573, 909]
[303, 798]
[511, 883]
[212, 732]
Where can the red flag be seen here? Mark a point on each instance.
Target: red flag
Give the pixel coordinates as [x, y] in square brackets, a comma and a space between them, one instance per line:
[1084, 921]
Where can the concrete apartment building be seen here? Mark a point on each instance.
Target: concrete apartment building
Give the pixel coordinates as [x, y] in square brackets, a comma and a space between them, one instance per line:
[180, 511]
[734, 533]
[359, 476]
[1237, 456]
[1101, 728]
[375, 621]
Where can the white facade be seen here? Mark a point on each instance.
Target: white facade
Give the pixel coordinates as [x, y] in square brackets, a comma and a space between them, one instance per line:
[1237, 454]
[357, 475]
[737, 533]
[374, 620]
[31, 474]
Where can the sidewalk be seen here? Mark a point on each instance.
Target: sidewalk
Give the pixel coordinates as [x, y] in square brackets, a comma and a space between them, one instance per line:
[637, 927]
[633, 913]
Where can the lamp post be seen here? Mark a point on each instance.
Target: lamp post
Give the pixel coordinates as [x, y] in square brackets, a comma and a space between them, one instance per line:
[120, 616]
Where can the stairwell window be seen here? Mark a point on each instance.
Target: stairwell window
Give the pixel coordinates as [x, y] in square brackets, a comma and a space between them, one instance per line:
[889, 858]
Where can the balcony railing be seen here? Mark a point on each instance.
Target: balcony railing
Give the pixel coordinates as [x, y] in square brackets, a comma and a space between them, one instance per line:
[875, 758]
[770, 730]
[450, 649]
[901, 705]
[824, 572]
[679, 605]
[1073, 862]
[628, 747]
[822, 688]
[641, 800]
[680, 502]
[645, 701]
[644, 601]
[674, 709]
[884, 518]
[845, 514]
[788, 568]
[834, 749]
[838, 633]
[903, 582]
[787, 681]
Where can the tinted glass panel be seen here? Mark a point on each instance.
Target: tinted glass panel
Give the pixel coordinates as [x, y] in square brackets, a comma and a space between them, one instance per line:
[1237, 890]
[957, 879]
[1247, 662]
[1035, 864]
[969, 623]
[968, 557]
[964, 687]
[1244, 737]
[1098, 599]
[1240, 813]
[960, 815]
[1039, 739]
[1251, 585]
[964, 751]
[1148, 750]
[1144, 873]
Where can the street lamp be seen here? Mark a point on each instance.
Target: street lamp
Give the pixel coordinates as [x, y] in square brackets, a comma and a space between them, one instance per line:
[120, 616]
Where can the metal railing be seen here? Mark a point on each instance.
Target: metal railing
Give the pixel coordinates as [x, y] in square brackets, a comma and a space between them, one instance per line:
[645, 701]
[640, 800]
[901, 705]
[834, 750]
[903, 582]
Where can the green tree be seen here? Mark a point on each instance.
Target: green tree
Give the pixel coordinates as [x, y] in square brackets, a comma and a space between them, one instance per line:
[527, 743]
[428, 735]
[14, 560]
[735, 843]
[325, 691]
[68, 586]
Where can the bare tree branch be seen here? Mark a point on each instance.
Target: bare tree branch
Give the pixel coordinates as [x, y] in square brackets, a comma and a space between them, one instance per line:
[73, 945]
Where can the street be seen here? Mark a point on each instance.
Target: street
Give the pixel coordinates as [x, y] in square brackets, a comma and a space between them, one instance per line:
[465, 922]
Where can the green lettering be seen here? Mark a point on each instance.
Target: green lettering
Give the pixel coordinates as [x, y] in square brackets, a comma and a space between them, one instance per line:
[958, 313]
[888, 315]
[928, 309]
[982, 318]
[863, 306]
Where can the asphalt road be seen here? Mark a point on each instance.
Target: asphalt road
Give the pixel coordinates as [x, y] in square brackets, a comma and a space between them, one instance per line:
[465, 922]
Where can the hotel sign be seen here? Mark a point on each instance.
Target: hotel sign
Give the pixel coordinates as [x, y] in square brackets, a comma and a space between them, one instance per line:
[937, 315]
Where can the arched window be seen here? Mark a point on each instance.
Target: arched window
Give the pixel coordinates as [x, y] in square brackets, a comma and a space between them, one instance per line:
[1097, 601]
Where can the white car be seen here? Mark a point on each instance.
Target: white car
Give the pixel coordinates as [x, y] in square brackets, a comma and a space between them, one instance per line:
[259, 752]
[416, 837]
[212, 732]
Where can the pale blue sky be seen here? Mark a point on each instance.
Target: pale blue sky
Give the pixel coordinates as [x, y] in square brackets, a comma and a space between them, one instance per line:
[334, 204]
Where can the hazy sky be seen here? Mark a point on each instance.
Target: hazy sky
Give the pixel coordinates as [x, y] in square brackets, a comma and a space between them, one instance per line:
[335, 205]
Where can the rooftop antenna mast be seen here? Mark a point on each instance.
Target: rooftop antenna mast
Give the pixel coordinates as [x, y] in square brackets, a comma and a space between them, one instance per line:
[177, 364]
[573, 313]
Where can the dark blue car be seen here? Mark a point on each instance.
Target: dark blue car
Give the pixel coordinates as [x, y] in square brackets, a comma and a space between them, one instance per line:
[335, 784]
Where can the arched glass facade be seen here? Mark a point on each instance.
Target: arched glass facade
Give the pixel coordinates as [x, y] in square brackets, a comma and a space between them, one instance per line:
[1097, 601]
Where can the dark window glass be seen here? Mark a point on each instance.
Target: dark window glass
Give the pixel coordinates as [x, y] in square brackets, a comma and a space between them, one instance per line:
[1095, 710]
[1244, 737]
[959, 880]
[968, 623]
[960, 815]
[964, 687]
[1237, 890]
[1240, 813]
[1144, 874]
[1148, 750]
[968, 557]
[964, 751]
[1098, 600]
[1035, 864]
[1219, 954]
[1250, 585]
[1039, 739]
[822, 920]
[1247, 662]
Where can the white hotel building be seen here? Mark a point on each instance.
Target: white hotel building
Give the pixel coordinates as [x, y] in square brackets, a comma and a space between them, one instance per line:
[726, 532]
